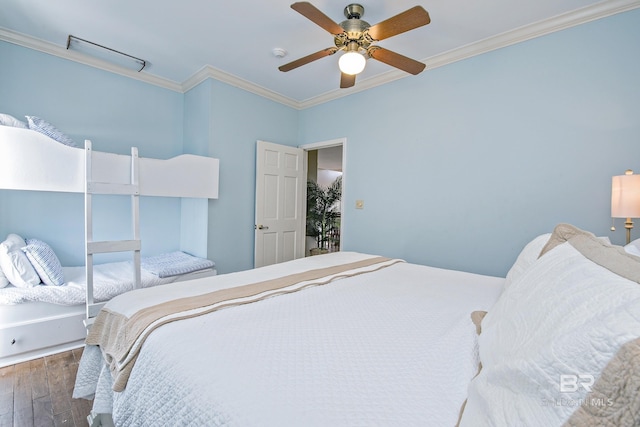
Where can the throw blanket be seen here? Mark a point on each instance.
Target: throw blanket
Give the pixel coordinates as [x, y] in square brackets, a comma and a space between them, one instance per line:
[120, 337]
[174, 264]
[618, 386]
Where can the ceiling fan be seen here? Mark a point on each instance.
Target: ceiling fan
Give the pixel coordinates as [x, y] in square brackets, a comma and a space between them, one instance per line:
[356, 37]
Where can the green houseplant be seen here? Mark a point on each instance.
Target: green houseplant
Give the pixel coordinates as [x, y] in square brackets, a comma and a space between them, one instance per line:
[323, 213]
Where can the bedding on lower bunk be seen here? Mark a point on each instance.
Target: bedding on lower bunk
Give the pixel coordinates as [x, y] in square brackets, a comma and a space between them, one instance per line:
[174, 264]
[388, 346]
[109, 280]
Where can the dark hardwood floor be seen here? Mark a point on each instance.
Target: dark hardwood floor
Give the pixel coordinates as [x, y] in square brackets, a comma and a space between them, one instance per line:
[38, 393]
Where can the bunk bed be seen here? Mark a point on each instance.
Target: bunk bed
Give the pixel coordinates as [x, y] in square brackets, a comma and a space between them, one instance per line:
[31, 160]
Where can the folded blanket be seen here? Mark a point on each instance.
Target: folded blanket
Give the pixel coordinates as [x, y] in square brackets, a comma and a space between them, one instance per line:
[174, 263]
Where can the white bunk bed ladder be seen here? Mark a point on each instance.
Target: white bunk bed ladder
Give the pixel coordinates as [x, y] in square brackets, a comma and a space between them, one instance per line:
[92, 247]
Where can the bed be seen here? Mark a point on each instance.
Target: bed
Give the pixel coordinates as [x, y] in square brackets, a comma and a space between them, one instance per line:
[365, 344]
[46, 319]
[350, 339]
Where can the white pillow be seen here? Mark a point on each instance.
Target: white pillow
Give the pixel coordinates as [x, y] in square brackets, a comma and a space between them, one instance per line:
[14, 241]
[7, 120]
[529, 255]
[633, 248]
[526, 258]
[15, 264]
[3, 279]
[558, 330]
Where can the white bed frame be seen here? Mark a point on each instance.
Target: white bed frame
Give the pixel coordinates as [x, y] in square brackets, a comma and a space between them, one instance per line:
[32, 161]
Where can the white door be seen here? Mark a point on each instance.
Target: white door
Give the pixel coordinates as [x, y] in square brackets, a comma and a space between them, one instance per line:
[280, 201]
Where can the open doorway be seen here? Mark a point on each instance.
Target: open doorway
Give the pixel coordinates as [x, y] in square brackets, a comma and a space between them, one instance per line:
[325, 189]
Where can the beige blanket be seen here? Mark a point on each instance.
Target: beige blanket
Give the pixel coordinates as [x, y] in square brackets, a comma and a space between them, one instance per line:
[120, 337]
[614, 399]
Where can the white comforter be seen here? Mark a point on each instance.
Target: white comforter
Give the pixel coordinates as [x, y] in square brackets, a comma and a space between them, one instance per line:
[392, 347]
[109, 280]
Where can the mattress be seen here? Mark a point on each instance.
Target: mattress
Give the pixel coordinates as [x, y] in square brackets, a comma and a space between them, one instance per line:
[109, 280]
[391, 347]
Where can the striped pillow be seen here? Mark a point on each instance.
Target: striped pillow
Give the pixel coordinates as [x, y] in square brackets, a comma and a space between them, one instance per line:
[45, 262]
[46, 128]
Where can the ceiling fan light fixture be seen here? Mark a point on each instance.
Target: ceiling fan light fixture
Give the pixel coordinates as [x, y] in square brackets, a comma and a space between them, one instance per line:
[352, 63]
[356, 39]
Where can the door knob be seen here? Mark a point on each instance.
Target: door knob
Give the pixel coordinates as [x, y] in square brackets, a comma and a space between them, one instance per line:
[263, 227]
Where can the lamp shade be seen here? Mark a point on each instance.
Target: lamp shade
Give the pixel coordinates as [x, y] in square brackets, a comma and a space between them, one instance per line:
[352, 63]
[625, 196]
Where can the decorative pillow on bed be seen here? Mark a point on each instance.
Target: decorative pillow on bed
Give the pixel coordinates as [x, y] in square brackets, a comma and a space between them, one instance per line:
[561, 346]
[530, 254]
[45, 262]
[633, 248]
[7, 120]
[527, 256]
[15, 264]
[3, 279]
[46, 128]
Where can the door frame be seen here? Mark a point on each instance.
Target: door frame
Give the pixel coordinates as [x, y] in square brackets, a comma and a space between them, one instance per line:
[318, 146]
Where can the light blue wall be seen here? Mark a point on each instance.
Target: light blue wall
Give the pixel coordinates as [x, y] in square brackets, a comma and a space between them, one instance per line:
[197, 139]
[116, 113]
[198, 119]
[462, 165]
[459, 167]
[238, 120]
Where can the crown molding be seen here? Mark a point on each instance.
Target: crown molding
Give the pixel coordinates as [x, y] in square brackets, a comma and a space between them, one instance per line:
[532, 31]
[209, 72]
[571, 19]
[60, 51]
[201, 75]
[567, 20]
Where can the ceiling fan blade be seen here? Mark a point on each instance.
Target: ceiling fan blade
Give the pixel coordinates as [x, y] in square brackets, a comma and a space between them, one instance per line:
[396, 60]
[347, 80]
[405, 21]
[314, 14]
[309, 58]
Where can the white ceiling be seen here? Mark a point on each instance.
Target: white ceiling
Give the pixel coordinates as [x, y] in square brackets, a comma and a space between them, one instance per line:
[189, 40]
